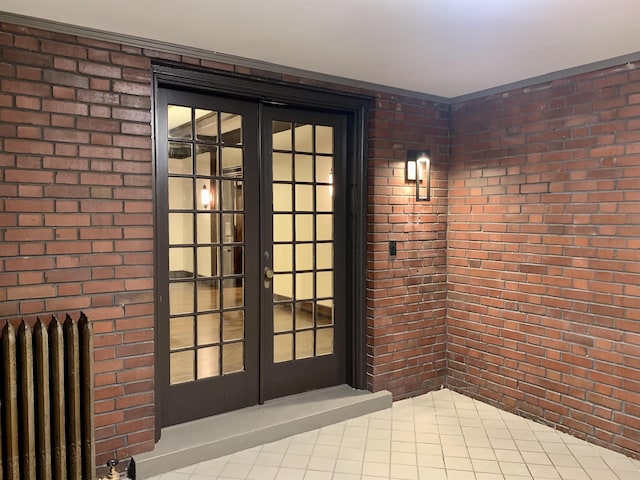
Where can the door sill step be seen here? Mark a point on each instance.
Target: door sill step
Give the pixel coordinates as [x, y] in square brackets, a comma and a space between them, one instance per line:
[193, 442]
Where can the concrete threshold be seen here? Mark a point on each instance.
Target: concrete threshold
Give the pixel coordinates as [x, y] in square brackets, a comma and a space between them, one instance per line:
[193, 442]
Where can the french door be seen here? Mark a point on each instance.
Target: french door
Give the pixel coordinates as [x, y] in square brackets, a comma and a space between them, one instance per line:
[251, 216]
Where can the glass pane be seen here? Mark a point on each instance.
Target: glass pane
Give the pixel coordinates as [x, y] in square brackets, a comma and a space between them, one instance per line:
[304, 344]
[324, 139]
[231, 162]
[282, 258]
[180, 263]
[181, 367]
[233, 227]
[208, 262]
[208, 328]
[231, 127]
[324, 256]
[324, 198]
[206, 194]
[283, 286]
[207, 227]
[235, 259]
[304, 138]
[324, 313]
[304, 228]
[207, 125]
[324, 169]
[281, 135]
[208, 362]
[208, 295]
[324, 285]
[282, 317]
[180, 193]
[282, 166]
[304, 286]
[180, 161]
[324, 227]
[232, 195]
[304, 198]
[179, 121]
[180, 332]
[324, 341]
[180, 228]
[304, 168]
[282, 348]
[206, 160]
[282, 228]
[282, 198]
[233, 325]
[181, 297]
[304, 256]
[233, 292]
[304, 315]
[232, 358]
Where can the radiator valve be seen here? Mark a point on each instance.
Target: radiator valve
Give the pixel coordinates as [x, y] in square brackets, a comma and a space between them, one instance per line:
[113, 473]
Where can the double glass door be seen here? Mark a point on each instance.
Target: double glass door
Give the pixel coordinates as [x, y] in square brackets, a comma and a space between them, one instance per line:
[250, 253]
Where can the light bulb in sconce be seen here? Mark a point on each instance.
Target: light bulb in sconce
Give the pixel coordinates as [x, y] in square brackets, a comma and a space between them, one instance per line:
[205, 196]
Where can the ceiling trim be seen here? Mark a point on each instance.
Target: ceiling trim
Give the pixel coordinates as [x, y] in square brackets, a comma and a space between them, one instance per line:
[176, 49]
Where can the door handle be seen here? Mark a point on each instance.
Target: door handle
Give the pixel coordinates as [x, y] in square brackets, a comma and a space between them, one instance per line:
[268, 275]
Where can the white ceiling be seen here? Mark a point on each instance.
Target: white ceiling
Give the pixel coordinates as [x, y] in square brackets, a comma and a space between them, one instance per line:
[446, 48]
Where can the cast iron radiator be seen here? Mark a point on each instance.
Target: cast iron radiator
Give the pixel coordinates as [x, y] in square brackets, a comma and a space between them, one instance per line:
[46, 401]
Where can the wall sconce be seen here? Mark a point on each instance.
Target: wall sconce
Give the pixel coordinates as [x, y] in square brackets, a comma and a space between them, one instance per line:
[205, 196]
[418, 170]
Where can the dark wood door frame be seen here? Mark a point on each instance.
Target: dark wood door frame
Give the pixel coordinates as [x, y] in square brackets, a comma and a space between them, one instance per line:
[280, 93]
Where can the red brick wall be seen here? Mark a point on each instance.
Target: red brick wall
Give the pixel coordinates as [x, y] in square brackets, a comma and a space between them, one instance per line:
[544, 254]
[76, 219]
[406, 295]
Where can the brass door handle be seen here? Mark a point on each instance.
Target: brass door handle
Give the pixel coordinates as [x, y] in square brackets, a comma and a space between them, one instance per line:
[268, 273]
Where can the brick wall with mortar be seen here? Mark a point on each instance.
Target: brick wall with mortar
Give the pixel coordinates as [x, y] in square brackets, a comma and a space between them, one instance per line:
[76, 218]
[544, 254]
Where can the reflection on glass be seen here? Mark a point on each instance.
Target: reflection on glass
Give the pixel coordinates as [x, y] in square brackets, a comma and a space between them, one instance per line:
[181, 263]
[232, 357]
[231, 161]
[180, 162]
[180, 193]
[281, 135]
[207, 227]
[282, 317]
[233, 227]
[282, 258]
[181, 367]
[231, 127]
[324, 139]
[282, 284]
[282, 198]
[324, 284]
[208, 295]
[180, 297]
[179, 121]
[233, 325]
[304, 344]
[324, 169]
[206, 193]
[304, 198]
[207, 125]
[282, 348]
[208, 262]
[304, 256]
[324, 256]
[180, 332]
[304, 168]
[304, 315]
[180, 228]
[324, 309]
[304, 137]
[208, 328]
[208, 362]
[232, 195]
[304, 227]
[324, 198]
[282, 167]
[324, 341]
[233, 292]
[206, 160]
[304, 286]
[324, 227]
[282, 228]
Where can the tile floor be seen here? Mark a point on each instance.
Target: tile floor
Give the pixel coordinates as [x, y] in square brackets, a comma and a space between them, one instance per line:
[438, 436]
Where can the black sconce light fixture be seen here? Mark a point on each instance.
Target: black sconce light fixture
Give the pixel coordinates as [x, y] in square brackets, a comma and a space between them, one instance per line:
[418, 170]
